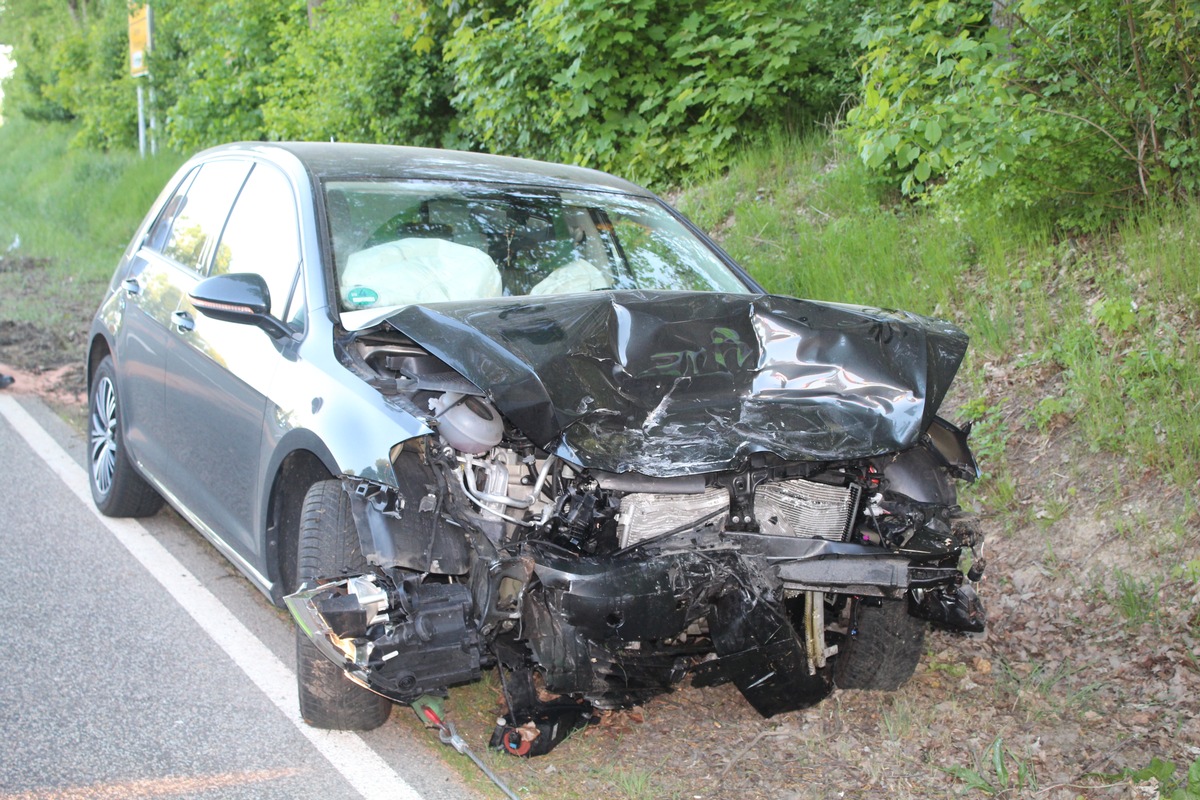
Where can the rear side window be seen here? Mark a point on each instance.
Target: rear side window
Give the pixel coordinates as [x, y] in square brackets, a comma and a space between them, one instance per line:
[166, 218]
[263, 236]
[192, 219]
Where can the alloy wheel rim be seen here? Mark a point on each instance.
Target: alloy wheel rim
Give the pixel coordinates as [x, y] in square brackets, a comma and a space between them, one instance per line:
[104, 435]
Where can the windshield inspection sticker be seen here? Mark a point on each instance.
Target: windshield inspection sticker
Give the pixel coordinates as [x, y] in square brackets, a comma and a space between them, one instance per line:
[362, 296]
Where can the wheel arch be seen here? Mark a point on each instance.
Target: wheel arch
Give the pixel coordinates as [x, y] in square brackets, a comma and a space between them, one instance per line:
[97, 350]
[305, 461]
[300, 459]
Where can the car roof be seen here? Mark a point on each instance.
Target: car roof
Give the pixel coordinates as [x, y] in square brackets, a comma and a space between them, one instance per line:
[334, 161]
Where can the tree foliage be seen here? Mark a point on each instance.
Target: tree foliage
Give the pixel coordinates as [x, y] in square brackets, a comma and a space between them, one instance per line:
[211, 64]
[1075, 108]
[73, 65]
[644, 87]
[638, 86]
[360, 70]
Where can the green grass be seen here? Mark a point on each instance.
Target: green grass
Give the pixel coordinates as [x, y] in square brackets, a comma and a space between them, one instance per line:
[803, 215]
[897, 720]
[1162, 244]
[1129, 349]
[630, 782]
[73, 210]
[1138, 600]
[998, 771]
[804, 218]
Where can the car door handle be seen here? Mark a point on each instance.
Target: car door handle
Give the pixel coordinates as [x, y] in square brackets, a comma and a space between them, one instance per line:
[132, 286]
[183, 321]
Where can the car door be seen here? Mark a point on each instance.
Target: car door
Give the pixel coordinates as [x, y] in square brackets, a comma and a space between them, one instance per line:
[147, 301]
[173, 258]
[218, 373]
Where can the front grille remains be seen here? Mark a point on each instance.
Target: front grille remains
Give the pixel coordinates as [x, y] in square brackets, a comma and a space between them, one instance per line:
[804, 508]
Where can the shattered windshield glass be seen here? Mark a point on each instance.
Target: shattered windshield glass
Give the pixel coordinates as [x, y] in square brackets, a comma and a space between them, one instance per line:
[399, 243]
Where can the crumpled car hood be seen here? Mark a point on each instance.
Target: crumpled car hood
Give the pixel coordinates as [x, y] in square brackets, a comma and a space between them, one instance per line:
[676, 383]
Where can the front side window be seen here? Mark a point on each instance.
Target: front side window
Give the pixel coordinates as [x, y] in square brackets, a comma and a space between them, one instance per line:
[196, 217]
[398, 243]
[263, 236]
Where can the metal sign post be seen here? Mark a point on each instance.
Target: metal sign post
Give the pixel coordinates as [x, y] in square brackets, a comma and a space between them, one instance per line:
[141, 121]
[141, 26]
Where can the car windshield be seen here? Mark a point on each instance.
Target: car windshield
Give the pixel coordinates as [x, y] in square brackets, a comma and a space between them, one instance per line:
[397, 243]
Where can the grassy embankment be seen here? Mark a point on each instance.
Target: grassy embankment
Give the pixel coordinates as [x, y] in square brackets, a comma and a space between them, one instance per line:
[72, 212]
[1082, 376]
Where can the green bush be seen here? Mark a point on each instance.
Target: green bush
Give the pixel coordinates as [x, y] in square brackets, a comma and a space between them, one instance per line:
[645, 88]
[642, 87]
[211, 62]
[1076, 109]
[359, 71]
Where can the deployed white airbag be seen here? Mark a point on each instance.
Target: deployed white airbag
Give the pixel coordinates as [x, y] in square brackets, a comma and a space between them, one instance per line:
[409, 271]
[578, 276]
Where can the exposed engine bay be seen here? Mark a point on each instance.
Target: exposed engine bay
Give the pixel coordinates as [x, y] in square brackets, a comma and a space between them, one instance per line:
[596, 576]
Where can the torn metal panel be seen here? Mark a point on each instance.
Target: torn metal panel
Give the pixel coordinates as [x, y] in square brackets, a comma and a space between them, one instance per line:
[761, 653]
[676, 383]
[405, 527]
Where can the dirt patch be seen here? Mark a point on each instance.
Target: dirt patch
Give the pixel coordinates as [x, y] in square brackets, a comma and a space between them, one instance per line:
[22, 264]
[45, 358]
[62, 387]
[45, 315]
[33, 348]
[44, 363]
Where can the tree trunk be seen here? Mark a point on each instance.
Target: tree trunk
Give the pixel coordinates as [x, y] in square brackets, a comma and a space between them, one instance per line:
[1002, 18]
[313, 5]
[1005, 20]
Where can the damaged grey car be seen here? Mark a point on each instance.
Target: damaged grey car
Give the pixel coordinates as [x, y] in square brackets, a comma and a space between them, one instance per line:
[463, 412]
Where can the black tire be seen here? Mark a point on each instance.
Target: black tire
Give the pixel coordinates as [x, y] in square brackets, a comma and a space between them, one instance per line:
[884, 652]
[328, 546]
[117, 488]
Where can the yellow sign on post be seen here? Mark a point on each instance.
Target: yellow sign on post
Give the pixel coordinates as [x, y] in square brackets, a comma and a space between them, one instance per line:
[139, 41]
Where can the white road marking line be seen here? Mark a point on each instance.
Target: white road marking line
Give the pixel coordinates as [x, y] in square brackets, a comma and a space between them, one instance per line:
[361, 766]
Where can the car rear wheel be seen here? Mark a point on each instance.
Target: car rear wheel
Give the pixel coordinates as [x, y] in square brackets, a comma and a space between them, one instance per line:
[883, 649]
[117, 489]
[329, 547]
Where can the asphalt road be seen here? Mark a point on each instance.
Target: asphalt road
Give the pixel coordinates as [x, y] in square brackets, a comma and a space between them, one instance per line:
[135, 661]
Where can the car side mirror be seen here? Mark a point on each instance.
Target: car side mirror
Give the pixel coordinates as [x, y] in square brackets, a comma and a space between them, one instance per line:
[240, 297]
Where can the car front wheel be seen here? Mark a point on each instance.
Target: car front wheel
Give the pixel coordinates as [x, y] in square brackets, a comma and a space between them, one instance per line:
[883, 649]
[328, 548]
[117, 489]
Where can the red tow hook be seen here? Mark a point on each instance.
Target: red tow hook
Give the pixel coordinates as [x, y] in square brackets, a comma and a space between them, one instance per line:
[448, 735]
